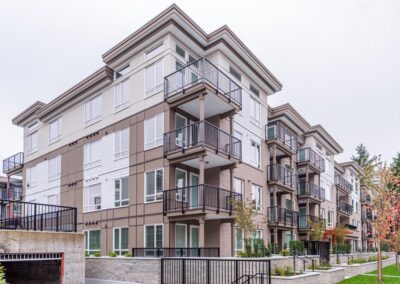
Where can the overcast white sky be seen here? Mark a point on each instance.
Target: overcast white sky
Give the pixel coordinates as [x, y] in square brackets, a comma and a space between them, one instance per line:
[339, 61]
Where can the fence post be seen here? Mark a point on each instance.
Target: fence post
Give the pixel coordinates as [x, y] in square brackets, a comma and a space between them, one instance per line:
[183, 271]
[162, 269]
[294, 262]
[34, 216]
[236, 269]
[57, 221]
[75, 219]
[208, 275]
[269, 272]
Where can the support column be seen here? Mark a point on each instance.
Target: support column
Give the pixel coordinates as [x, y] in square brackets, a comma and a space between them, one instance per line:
[231, 125]
[201, 169]
[276, 241]
[273, 154]
[201, 233]
[201, 107]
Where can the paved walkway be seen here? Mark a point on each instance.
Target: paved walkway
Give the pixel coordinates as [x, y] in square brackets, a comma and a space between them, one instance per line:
[100, 281]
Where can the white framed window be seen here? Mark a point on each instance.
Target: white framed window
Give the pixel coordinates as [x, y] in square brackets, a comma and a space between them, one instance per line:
[93, 110]
[254, 110]
[153, 236]
[92, 241]
[153, 131]
[53, 199]
[54, 130]
[154, 51]
[238, 185]
[256, 195]
[330, 219]
[239, 240]
[154, 78]
[154, 185]
[32, 142]
[322, 213]
[92, 154]
[121, 143]
[121, 239]
[31, 178]
[239, 136]
[255, 154]
[122, 72]
[54, 168]
[121, 190]
[32, 127]
[92, 197]
[121, 95]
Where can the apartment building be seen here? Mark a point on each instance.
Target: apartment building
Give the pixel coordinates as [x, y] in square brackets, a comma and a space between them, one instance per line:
[152, 147]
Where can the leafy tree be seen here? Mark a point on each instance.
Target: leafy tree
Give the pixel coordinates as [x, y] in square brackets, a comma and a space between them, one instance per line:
[396, 169]
[318, 229]
[368, 163]
[339, 232]
[2, 275]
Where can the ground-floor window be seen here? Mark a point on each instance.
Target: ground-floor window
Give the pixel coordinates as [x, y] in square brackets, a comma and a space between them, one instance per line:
[239, 244]
[153, 236]
[92, 241]
[121, 237]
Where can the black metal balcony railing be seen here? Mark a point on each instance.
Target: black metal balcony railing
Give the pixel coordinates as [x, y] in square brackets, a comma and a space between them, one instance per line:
[351, 227]
[202, 133]
[175, 252]
[13, 162]
[202, 71]
[342, 183]
[18, 215]
[282, 216]
[203, 196]
[306, 221]
[367, 235]
[309, 155]
[366, 216]
[308, 188]
[277, 130]
[365, 198]
[344, 207]
[283, 175]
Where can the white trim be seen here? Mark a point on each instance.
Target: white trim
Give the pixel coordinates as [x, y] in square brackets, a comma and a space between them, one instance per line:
[191, 235]
[120, 251]
[178, 197]
[155, 184]
[155, 234]
[185, 225]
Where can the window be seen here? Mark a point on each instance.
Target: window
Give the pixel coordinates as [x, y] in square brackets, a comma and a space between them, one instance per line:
[235, 73]
[256, 195]
[180, 51]
[154, 130]
[92, 241]
[271, 132]
[192, 59]
[122, 72]
[53, 199]
[330, 219]
[238, 185]
[121, 236]
[154, 184]
[154, 78]
[289, 204]
[121, 95]
[239, 246]
[121, 143]
[255, 154]
[32, 143]
[121, 189]
[31, 177]
[153, 236]
[54, 168]
[92, 197]
[322, 213]
[54, 131]
[254, 90]
[356, 206]
[238, 147]
[258, 235]
[92, 155]
[254, 109]
[33, 127]
[93, 110]
[154, 51]
[352, 205]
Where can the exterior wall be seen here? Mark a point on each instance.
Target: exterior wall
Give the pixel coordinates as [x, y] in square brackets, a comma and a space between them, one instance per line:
[70, 244]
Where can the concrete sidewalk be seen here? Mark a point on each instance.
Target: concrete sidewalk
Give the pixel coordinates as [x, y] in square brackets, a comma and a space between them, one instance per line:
[101, 281]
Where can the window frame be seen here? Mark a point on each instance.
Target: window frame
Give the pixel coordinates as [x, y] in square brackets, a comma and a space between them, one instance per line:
[31, 183]
[116, 72]
[257, 197]
[330, 214]
[120, 200]
[87, 207]
[157, 141]
[148, 55]
[255, 105]
[87, 241]
[157, 88]
[256, 164]
[123, 104]
[155, 194]
[119, 251]
[155, 234]
[91, 164]
[57, 175]
[236, 230]
[58, 137]
[30, 149]
[242, 187]
[122, 153]
[96, 119]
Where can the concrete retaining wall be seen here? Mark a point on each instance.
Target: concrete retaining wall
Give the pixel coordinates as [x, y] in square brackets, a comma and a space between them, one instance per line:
[355, 269]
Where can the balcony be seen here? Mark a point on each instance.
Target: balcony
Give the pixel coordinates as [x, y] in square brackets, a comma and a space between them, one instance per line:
[185, 144]
[350, 227]
[308, 157]
[311, 190]
[278, 134]
[283, 177]
[306, 222]
[344, 208]
[182, 89]
[367, 235]
[13, 163]
[366, 199]
[282, 217]
[366, 216]
[343, 185]
[199, 199]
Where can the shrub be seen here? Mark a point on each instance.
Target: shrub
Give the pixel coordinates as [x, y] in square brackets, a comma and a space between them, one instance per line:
[113, 254]
[257, 250]
[97, 254]
[321, 266]
[2, 275]
[296, 247]
[342, 248]
[285, 252]
[357, 260]
[283, 271]
[385, 246]
[87, 254]
[128, 254]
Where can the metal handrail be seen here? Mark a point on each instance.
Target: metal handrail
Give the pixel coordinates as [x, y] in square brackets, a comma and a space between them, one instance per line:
[299, 256]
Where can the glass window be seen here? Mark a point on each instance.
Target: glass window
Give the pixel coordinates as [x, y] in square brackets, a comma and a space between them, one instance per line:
[92, 241]
[121, 237]
[92, 154]
[154, 51]
[180, 51]
[235, 73]
[322, 213]
[93, 110]
[123, 71]
[121, 95]
[271, 132]
[330, 219]
[121, 189]
[154, 131]
[154, 185]
[121, 143]
[238, 185]
[239, 243]
[254, 109]
[153, 236]
[32, 143]
[254, 90]
[256, 195]
[92, 197]
[154, 78]
[255, 154]
[54, 168]
[31, 177]
[54, 131]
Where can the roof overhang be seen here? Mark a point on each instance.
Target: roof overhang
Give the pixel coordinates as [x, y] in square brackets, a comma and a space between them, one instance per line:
[354, 165]
[324, 137]
[28, 114]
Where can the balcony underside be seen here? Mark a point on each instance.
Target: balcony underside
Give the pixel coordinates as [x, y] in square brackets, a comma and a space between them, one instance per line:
[343, 191]
[280, 187]
[344, 213]
[198, 213]
[311, 199]
[301, 167]
[281, 226]
[215, 103]
[190, 157]
[281, 148]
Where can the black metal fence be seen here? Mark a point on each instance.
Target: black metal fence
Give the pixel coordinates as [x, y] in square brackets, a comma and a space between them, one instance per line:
[175, 252]
[13, 162]
[19, 215]
[215, 271]
[318, 248]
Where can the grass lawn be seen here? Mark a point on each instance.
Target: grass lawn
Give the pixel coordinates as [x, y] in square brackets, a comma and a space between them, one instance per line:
[366, 279]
